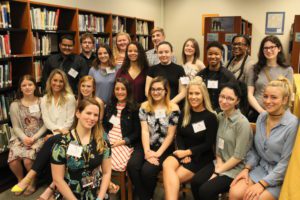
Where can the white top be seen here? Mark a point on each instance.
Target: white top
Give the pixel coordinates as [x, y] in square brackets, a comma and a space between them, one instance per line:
[58, 117]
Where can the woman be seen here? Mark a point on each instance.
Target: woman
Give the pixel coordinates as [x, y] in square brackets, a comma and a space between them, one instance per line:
[77, 157]
[58, 109]
[119, 49]
[86, 89]
[121, 122]
[195, 138]
[268, 159]
[215, 75]
[28, 126]
[270, 65]
[159, 118]
[104, 73]
[234, 139]
[172, 72]
[190, 58]
[135, 69]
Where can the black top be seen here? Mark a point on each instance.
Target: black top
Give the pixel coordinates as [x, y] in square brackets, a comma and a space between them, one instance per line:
[202, 142]
[222, 76]
[76, 62]
[130, 123]
[89, 61]
[171, 72]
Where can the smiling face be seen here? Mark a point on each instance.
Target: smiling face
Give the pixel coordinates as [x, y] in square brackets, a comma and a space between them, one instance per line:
[228, 100]
[122, 42]
[195, 97]
[158, 92]
[66, 47]
[189, 49]
[271, 50]
[157, 37]
[120, 92]
[27, 87]
[87, 88]
[239, 47]
[274, 101]
[164, 54]
[57, 83]
[214, 57]
[88, 117]
[103, 55]
[132, 52]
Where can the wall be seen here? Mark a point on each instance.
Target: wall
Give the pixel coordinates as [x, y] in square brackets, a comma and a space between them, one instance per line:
[183, 18]
[145, 9]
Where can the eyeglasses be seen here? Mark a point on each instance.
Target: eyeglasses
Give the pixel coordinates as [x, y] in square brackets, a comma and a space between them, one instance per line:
[223, 97]
[239, 44]
[269, 48]
[67, 46]
[159, 90]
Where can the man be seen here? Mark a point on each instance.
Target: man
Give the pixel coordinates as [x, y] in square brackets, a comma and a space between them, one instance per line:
[73, 65]
[87, 42]
[157, 35]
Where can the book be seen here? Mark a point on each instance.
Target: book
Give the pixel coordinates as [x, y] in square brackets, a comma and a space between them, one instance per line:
[44, 19]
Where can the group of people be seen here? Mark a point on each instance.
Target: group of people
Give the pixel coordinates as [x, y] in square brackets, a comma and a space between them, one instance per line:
[130, 110]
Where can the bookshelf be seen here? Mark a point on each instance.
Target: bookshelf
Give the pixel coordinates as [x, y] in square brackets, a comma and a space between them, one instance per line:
[143, 28]
[223, 29]
[295, 50]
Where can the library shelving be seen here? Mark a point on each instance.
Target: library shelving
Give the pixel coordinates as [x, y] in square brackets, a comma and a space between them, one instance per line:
[143, 28]
[223, 29]
[295, 49]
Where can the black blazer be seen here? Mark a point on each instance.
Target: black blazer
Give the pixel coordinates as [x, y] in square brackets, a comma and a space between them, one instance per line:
[130, 123]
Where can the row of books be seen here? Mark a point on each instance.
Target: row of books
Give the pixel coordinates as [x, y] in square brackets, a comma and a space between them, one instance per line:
[38, 68]
[44, 44]
[5, 135]
[101, 40]
[5, 101]
[144, 41]
[118, 25]
[5, 21]
[5, 75]
[4, 46]
[44, 19]
[142, 28]
[91, 23]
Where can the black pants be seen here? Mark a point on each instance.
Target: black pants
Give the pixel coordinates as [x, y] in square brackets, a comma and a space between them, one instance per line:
[205, 189]
[143, 174]
[42, 160]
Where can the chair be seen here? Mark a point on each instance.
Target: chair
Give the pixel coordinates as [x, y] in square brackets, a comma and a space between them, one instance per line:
[121, 178]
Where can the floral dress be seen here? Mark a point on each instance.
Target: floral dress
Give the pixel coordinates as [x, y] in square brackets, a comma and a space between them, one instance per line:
[76, 169]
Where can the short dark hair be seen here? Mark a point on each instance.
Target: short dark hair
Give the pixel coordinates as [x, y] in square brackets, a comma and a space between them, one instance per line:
[246, 38]
[215, 44]
[67, 37]
[167, 43]
[28, 77]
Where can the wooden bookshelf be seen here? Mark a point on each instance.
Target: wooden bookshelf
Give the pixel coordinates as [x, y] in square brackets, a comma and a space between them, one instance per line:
[295, 50]
[223, 28]
[142, 32]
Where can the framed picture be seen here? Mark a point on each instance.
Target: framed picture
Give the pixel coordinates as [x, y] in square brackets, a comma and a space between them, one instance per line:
[275, 23]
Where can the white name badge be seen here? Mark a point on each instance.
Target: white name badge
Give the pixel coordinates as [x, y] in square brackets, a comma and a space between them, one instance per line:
[109, 70]
[212, 84]
[34, 108]
[72, 72]
[221, 143]
[161, 113]
[199, 126]
[184, 80]
[114, 120]
[74, 150]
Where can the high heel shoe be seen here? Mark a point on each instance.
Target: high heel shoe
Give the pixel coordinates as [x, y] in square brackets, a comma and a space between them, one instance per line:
[17, 189]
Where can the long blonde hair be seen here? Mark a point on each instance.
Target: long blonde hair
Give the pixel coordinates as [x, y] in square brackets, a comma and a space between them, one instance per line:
[206, 100]
[116, 51]
[66, 90]
[150, 102]
[286, 87]
[97, 130]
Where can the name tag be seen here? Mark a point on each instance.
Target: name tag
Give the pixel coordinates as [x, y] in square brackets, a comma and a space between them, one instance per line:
[109, 70]
[87, 181]
[221, 143]
[74, 150]
[184, 80]
[199, 126]
[212, 84]
[114, 120]
[72, 72]
[161, 113]
[34, 108]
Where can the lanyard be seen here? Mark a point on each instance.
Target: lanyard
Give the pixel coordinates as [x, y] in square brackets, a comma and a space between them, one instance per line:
[86, 154]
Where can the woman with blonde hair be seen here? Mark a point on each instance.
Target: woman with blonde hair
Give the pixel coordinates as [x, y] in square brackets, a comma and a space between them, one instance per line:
[159, 118]
[267, 161]
[195, 139]
[119, 48]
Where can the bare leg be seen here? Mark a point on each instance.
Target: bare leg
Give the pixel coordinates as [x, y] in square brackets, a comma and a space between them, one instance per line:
[237, 191]
[16, 168]
[47, 194]
[171, 180]
[266, 196]
[30, 176]
[31, 184]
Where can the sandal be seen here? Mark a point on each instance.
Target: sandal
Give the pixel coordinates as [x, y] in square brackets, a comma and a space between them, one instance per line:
[52, 192]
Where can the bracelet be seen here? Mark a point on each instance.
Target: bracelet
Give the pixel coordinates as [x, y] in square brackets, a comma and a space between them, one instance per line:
[216, 173]
[260, 183]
